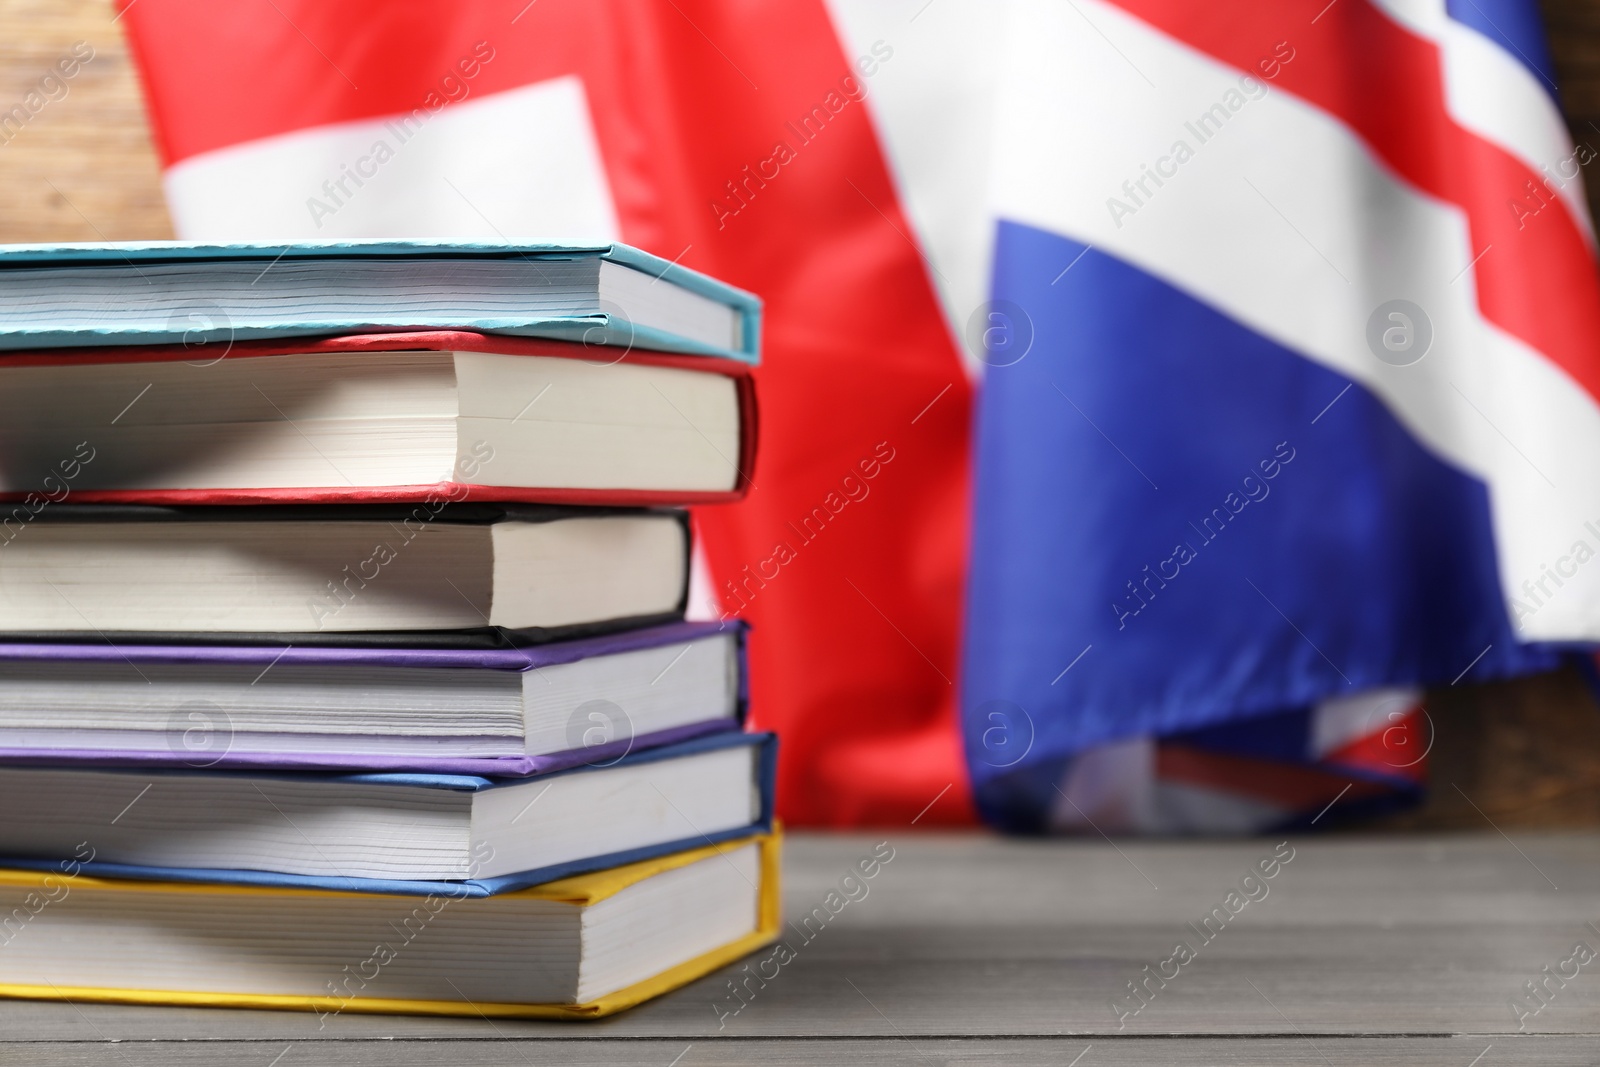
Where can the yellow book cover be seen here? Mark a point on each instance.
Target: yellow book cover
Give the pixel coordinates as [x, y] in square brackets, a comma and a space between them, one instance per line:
[578, 948]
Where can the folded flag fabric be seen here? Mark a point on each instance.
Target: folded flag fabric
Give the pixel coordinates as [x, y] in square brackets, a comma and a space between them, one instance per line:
[1308, 418]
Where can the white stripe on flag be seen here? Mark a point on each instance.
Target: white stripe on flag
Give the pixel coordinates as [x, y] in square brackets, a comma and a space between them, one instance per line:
[521, 164]
[1341, 721]
[1493, 94]
[933, 105]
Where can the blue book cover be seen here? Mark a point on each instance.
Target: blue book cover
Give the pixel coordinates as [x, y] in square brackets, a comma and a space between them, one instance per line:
[766, 769]
[248, 313]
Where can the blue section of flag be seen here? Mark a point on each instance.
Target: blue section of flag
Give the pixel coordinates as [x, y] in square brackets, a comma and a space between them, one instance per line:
[1514, 25]
[1229, 528]
[1285, 736]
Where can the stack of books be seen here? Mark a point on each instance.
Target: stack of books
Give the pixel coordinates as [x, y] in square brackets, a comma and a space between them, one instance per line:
[342, 655]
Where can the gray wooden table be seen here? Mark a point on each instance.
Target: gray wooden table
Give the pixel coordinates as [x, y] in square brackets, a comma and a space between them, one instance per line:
[971, 949]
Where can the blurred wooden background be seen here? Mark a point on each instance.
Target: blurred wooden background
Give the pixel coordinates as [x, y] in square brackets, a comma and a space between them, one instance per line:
[83, 169]
[1522, 754]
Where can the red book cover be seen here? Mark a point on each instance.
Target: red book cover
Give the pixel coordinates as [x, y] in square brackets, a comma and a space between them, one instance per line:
[429, 340]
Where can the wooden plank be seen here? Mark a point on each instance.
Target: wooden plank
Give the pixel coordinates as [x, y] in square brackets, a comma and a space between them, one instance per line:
[1061, 1052]
[1573, 27]
[978, 937]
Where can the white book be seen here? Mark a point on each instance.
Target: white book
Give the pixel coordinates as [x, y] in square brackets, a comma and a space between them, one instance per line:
[96, 570]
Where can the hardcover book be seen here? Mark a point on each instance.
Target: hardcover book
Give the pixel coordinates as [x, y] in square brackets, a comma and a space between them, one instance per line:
[166, 292]
[102, 570]
[576, 948]
[492, 711]
[373, 417]
[394, 833]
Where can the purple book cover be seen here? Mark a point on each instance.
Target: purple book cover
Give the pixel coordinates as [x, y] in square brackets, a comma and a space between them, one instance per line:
[216, 750]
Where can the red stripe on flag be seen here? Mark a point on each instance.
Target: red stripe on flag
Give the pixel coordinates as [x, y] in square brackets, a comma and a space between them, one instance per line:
[258, 68]
[849, 552]
[1536, 278]
[1398, 751]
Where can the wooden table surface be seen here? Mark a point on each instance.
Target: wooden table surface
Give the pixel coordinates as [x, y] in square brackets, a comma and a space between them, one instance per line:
[973, 949]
